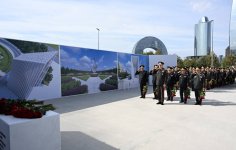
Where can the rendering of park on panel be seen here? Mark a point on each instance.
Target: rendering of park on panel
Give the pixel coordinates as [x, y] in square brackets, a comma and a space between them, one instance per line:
[29, 69]
[87, 70]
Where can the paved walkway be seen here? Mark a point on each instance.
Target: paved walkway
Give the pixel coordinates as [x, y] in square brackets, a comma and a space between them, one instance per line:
[121, 120]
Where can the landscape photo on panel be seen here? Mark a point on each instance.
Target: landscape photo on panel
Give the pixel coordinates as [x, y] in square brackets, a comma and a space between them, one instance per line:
[87, 70]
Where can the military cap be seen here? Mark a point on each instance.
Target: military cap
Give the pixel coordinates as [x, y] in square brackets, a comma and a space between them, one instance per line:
[141, 66]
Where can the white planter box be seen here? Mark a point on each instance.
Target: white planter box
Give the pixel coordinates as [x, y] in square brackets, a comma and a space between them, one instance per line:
[30, 134]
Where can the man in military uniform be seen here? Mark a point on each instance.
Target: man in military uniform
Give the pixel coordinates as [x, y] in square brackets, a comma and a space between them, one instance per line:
[153, 73]
[143, 80]
[198, 84]
[183, 85]
[160, 81]
[170, 81]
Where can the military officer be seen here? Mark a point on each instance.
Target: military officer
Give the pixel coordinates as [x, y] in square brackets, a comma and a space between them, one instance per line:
[198, 84]
[160, 81]
[153, 73]
[143, 80]
[170, 81]
[183, 85]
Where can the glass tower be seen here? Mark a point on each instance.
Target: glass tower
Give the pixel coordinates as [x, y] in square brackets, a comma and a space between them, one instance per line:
[203, 37]
[233, 29]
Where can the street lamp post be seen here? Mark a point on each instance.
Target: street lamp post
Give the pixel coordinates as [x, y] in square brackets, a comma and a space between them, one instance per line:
[98, 37]
[212, 53]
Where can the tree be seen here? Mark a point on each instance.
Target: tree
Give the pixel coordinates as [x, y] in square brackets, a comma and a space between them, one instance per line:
[190, 62]
[229, 61]
[180, 62]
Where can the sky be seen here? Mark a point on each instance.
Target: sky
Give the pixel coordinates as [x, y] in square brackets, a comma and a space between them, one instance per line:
[86, 59]
[122, 23]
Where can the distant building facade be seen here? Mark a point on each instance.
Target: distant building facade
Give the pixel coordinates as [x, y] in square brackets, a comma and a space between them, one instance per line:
[232, 40]
[203, 37]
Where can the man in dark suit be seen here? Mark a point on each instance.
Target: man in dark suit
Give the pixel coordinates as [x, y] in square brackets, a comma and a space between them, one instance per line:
[198, 84]
[153, 73]
[143, 80]
[160, 81]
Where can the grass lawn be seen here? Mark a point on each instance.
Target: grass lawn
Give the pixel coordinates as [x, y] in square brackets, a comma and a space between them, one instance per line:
[5, 61]
[84, 77]
[102, 77]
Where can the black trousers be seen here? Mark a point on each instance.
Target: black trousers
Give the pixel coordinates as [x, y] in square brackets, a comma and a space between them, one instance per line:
[183, 97]
[169, 92]
[160, 93]
[142, 92]
[154, 86]
[197, 96]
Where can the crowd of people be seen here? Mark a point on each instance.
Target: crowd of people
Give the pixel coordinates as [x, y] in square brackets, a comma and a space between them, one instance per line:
[197, 79]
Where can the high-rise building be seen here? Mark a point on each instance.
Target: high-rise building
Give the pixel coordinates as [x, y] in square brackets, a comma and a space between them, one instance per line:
[232, 40]
[203, 37]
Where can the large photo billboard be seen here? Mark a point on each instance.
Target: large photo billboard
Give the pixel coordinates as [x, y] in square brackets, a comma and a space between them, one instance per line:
[29, 70]
[87, 70]
[128, 64]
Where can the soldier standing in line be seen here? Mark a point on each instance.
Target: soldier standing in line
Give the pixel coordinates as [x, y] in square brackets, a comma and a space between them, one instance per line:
[183, 85]
[160, 81]
[170, 81]
[198, 84]
[143, 80]
[153, 73]
[177, 74]
[208, 79]
[192, 74]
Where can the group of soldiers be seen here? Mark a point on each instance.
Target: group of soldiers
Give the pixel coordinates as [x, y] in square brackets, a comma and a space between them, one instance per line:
[183, 79]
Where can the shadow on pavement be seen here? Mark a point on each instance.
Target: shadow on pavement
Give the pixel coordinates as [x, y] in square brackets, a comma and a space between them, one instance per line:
[217, 103]
[75, 140]
[78, 102]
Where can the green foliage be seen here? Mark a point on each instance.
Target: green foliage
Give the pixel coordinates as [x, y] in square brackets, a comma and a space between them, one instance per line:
[123, 75]
[180, 62]
[5, 59]
[106, 87]
[204, 61]
[48, 77]
[84, 77]
[102, 77]
[229, 61]
[190, 62]
[29, 47]
[68, 83]
[112, 81]
[72, 87]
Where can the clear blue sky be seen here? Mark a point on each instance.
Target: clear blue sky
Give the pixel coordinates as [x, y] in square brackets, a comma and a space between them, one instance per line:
[122, 22]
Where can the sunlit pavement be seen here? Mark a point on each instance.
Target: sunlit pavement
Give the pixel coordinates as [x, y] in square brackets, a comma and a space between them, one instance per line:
[121, 120]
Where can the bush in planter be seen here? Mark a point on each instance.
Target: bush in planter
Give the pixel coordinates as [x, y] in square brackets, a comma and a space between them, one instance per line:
[106, 87]
[112, 81]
